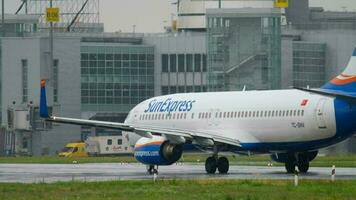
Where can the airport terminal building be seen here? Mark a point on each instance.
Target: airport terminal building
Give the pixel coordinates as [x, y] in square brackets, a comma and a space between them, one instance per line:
[101, 76]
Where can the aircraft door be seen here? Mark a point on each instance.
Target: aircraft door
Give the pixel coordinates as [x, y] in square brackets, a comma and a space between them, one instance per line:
[135, 116]
[320, 114]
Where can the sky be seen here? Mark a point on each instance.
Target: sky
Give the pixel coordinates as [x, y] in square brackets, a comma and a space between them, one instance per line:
[153, 15]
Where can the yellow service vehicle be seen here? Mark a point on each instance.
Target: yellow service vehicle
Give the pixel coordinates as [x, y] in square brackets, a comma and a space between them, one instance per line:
[74, 150]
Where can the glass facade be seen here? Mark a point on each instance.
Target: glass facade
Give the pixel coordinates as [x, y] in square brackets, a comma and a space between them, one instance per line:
[183, 63]
[244, 49]
[194, 64]
[24, 73]
[55, 80]
[308, 64]
[116, 78]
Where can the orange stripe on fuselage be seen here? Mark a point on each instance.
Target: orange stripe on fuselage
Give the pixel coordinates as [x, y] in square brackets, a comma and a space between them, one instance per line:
[343, 79]
[149, 143]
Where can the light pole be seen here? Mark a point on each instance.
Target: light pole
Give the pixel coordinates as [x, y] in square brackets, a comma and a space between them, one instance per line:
[51, 45]
[3, 17]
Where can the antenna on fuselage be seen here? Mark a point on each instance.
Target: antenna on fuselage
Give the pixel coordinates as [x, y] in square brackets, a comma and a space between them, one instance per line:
[244, 88]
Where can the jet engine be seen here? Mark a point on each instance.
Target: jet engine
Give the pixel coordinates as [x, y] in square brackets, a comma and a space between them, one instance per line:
[157, 151]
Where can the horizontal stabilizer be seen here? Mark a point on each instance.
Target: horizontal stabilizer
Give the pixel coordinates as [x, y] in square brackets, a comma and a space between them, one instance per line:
[331, 93]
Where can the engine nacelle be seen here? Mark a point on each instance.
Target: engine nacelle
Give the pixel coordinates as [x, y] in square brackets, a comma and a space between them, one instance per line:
[286, 157]
[157, 151]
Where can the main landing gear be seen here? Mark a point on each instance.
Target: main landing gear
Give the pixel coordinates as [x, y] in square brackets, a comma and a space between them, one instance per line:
[212, 163]
[300, 160]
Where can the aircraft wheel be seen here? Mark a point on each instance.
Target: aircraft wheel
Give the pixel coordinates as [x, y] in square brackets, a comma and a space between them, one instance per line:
[223, 165]
[303, 164]
[290, 167]
[210, 165]
[151, 169]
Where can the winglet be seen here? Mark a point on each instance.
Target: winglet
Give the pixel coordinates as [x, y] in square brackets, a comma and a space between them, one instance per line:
[43, 100]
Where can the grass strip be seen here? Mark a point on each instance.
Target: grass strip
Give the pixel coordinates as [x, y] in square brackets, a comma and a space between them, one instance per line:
[183, 189]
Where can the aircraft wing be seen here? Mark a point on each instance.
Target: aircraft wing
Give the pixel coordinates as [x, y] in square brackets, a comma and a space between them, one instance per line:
[147, 131]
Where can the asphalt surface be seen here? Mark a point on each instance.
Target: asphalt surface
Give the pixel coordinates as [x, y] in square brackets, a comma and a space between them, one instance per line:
[35, 173]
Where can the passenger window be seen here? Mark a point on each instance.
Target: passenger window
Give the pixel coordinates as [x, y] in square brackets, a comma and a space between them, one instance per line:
[220, 115]
[238, 114]
[109, 142]
[174, 116]
[185, 115]
[302, 112]
[119, 141]
[209, 115]
[216, 115]
[295, 113]
[192, 115]
[246, 114]
[254, 114]
[227, 115]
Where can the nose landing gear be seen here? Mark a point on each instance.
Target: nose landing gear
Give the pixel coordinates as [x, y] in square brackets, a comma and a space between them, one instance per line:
[151, 169]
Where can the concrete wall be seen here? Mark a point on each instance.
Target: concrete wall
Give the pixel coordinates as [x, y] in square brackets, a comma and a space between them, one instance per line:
[287, 63]
[35, 50]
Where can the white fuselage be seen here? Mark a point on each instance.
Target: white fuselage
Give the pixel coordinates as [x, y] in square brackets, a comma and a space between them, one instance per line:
[248, 116]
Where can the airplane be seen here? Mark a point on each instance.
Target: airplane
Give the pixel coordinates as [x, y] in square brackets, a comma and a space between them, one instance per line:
[290, 125]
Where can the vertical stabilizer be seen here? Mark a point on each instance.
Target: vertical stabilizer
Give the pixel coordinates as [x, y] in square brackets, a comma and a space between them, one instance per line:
[43, 101]
[346, 81]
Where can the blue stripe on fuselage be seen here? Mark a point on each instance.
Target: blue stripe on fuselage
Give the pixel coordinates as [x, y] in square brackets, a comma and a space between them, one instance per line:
[345, 115]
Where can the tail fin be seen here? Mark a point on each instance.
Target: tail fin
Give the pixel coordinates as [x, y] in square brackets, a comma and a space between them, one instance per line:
[43, 101]
[346, 81]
